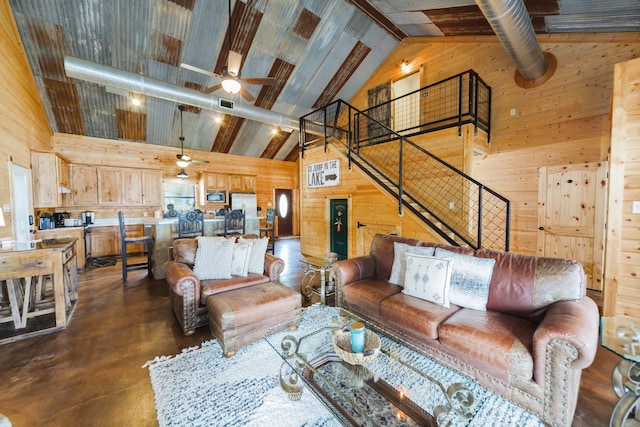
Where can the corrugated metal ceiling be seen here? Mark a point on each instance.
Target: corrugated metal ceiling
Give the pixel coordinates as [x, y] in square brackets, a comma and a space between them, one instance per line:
[319, 51]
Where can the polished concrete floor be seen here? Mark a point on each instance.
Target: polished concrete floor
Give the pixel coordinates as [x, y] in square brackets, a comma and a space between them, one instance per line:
[91, 374]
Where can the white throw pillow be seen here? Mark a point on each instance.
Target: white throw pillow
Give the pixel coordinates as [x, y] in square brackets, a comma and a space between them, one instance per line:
[259, 248]
[470, 279]
[213, 258]
[398, 267]
[241, 258]
[428, 278]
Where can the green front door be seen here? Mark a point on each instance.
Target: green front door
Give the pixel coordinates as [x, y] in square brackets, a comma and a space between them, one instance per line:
[338, 224]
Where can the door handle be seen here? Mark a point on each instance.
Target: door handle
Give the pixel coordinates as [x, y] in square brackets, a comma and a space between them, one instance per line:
[541, 228]
[359, 224]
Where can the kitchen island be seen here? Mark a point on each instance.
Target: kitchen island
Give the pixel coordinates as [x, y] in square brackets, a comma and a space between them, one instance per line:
[39, 287]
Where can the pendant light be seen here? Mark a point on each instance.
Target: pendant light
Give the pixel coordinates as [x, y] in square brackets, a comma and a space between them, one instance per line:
[182, 174]
[183, 159]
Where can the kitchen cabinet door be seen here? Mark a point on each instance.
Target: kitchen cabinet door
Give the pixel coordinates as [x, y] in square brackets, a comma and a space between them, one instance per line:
[109, 186]
[152, 192]
[131, 187]
[105, 241]
[45, 186]
[64, 177]
[216, 181]
[84, 185]
[235, 183]
[249, 183]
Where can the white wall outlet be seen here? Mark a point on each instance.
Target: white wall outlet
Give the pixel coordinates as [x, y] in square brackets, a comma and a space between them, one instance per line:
[635, 207]
[513, 111]
[6, 208]
[451, 205]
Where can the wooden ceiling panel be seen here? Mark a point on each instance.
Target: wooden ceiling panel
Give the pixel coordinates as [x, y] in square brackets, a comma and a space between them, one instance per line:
[460, 21]
[228, 132]
[293, 154]
[280, 70]
[276, 143]
[348, 67]
[306, 24]
[51, 44]
[65, 105]
[131, 125]
[191, 108]
[187, 4]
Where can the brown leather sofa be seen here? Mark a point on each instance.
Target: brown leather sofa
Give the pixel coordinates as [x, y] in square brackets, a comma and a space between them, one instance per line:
[538, 333]
[189, 294]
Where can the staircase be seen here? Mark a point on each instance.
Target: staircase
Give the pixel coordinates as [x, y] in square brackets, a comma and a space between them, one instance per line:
[460, 209]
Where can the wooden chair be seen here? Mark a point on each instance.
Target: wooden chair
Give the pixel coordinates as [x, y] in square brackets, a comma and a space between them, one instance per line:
[234, 224]
[268, 229]
[147, 241]
[191, 224]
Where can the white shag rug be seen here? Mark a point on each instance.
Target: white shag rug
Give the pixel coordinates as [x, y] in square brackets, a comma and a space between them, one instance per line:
[199, 387]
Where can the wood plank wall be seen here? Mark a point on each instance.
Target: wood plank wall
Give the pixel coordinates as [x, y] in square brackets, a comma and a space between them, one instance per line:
[564, 121]
[271, 174]
[622, 267]
[23, 124]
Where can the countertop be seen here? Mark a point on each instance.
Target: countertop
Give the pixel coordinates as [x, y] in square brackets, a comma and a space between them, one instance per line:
[55, 244]
[158, 221]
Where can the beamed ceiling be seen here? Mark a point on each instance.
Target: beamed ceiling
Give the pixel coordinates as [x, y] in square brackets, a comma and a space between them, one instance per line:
[318, 50]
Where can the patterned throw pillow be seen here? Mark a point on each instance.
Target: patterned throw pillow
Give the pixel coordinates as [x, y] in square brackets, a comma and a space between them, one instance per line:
[213, 258]
[259, 248]
[428, 278]
[470, 279]
[400, 250]
[241, 258]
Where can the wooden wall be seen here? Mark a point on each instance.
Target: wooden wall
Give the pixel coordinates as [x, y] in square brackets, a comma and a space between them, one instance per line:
[622, 267]
[270, 174]
[23, 123]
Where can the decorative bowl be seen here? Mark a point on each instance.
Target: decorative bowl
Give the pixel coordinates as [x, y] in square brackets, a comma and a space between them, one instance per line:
[342, 345]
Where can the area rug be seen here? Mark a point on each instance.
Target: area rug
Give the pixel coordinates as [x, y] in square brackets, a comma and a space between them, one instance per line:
[199, 387]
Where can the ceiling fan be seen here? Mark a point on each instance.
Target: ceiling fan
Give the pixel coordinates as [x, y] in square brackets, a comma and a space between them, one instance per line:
[184, 160]
[230, 78]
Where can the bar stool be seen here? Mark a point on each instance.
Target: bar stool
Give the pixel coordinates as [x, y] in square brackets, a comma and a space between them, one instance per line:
[146, 240]
[268, 229]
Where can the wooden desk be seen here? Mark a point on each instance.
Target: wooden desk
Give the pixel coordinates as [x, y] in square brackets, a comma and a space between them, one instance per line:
[25, 270]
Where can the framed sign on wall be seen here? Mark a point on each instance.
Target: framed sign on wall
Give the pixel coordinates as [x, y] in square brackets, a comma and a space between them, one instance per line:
[323, 174]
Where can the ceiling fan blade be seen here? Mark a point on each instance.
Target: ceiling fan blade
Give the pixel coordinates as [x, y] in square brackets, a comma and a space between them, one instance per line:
[199, 70]
[234, 60]
[259, 80]
[199, 161]
[212, 88]
[246, 95]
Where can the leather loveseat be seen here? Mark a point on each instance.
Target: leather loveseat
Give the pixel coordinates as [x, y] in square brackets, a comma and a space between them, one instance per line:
[189, 294]
[538, 333]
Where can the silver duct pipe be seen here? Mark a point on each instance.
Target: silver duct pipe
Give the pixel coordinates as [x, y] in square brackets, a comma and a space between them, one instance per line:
[108, 76]
[512, 24]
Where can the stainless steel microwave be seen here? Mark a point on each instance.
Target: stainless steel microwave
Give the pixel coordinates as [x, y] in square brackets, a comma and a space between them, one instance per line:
[216, 196]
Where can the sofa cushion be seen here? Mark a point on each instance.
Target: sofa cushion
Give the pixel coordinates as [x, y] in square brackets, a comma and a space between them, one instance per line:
[400, 251]
[497, 339]
[470, 279]
[428, 278]
[184, 251]
[365, 295]
[258, 249]
[523, 285]
[215, 286]
[213, 258]
[415, 317]
[382, 252]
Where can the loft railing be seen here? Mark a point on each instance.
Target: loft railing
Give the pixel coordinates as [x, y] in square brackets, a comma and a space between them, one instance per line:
[462, 210]
[455, 101]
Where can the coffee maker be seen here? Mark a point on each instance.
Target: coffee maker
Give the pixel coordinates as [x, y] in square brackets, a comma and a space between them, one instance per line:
[88, 217]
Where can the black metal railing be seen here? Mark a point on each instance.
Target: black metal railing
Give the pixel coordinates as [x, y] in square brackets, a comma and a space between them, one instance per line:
[457, 100]
[459, 208]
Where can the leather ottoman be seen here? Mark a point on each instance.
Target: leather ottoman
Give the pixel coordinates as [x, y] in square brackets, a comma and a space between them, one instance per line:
[245, 315]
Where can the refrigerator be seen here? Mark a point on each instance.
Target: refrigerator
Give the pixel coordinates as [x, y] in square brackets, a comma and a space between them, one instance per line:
[246, 202]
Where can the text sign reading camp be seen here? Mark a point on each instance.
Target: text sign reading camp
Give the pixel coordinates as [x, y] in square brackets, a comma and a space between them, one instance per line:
[324, 174]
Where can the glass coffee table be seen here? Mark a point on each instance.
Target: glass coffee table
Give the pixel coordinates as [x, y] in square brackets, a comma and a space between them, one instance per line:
[392, 389]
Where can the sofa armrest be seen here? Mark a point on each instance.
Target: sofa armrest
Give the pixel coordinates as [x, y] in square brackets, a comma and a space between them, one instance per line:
[177, 274]
[353, 269]
[573, 322]
[273, 266]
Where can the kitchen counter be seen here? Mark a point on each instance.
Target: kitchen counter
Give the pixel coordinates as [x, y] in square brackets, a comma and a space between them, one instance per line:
[67, 233]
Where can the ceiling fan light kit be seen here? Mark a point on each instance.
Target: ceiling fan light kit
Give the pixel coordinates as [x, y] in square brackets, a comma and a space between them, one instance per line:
[231, 85]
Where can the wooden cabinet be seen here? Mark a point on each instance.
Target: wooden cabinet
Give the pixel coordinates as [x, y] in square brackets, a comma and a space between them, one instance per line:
[152, 192]
[131, 187]
[104, 241]
[249, 183]
[235, 183]
[84, 185]
[215, 181]
[109, 186]
[50, 180]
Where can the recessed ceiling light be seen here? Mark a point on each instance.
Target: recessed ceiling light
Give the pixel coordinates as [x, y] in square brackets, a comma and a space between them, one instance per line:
[218, 119]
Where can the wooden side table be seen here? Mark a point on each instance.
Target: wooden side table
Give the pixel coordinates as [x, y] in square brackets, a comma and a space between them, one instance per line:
[621, 335]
